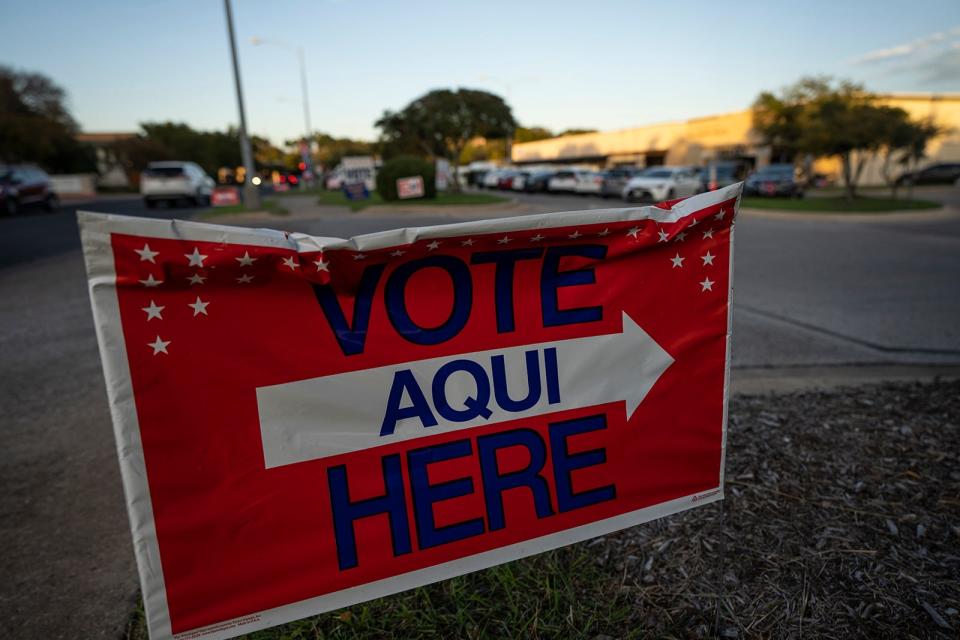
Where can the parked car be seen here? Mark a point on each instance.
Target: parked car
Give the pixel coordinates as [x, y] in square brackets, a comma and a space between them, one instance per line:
[505, 181]
[717, 175]
[941, 173]
[491, 179]
[532, 181]
[774, 180]
[614, 180]
[25, 186]
[564, 181]
[662, 183]
[588, 182]
[174, 182]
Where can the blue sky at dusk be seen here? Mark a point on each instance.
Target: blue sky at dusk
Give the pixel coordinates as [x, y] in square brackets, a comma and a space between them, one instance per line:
[603, 65]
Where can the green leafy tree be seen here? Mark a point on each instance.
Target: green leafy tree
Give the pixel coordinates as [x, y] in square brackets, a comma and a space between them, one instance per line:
[919, 136]
[821, 118]
[441, 124]
[531, 134]
[331, 150]
[36, 127]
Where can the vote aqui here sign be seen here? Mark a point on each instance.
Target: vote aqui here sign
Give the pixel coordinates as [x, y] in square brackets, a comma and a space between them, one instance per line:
[305, 423]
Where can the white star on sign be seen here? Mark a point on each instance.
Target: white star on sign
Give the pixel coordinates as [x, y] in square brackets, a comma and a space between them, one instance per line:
[153, 311]
[290, 262]
[146, 254]
[359, 256]
[433, 245]
[663, 235]
[159, 346]
[707, 285]
[321, 264]
[199, 307]
[708, 258]
[677, 261]
[576, 234]
[681, 237]
[536, 238]
[196, 279]
[245, 260]
[695, 222]
[150, 282]
[720, 215]
[605, 232]
[196, 260]
[505, 240]
[397, 253]
[708, 234]
[467, 243]
[633, 232]
[244, 279]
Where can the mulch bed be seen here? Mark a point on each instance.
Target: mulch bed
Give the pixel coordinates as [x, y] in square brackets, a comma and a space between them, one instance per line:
[842, 520]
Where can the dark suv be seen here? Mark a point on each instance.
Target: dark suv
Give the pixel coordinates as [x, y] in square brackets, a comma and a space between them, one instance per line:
[774, 180]
[943, 173]
[24, 186]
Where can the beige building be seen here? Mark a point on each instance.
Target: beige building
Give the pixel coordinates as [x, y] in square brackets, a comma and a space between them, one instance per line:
[726, 136]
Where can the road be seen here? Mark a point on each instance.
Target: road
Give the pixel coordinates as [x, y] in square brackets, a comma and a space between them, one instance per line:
[809, 292]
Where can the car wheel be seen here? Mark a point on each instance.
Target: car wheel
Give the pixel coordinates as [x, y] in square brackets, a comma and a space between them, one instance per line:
[631, 196]
[671, 194]
[52, 203]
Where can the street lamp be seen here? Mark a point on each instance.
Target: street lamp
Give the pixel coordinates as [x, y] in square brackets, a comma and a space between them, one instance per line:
[255, 41]
[251, 194]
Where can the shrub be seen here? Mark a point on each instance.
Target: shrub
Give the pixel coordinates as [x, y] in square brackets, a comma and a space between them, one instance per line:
[406, 167]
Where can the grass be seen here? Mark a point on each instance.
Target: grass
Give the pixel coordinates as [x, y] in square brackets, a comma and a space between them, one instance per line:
[336, 198]
[268, 205]
[559, 594]
[836, 204]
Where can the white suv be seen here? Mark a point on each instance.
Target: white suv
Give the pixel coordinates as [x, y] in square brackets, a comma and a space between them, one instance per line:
[175, 182]
[662, 183]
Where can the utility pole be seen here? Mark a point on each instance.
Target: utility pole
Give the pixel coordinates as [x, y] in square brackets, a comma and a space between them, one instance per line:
[251, 193]
[304, 95]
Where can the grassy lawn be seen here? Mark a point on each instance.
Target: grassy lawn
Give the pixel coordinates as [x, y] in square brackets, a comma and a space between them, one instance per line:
[834, 204]
[565, 593]
[271, 206]
[337, 198]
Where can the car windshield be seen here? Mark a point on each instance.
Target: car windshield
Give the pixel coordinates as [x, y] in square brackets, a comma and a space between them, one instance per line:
[164, 172]
[657, 173]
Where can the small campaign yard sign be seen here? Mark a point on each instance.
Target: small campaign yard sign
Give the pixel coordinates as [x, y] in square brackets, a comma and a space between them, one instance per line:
[305, 423]
[225, 196]
[411, 187]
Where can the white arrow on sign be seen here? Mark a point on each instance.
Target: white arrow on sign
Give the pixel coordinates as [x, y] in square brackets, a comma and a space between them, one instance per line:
[340, 413]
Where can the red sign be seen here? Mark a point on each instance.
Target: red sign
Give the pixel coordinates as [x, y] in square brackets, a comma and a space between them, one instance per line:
[301, 417]
[225, 196]
[410, 187]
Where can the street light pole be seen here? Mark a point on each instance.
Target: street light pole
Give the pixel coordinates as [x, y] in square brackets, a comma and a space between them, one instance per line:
[305, 98]
[251, 194]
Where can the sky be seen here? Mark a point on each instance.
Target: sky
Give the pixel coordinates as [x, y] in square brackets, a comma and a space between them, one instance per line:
[601, 65]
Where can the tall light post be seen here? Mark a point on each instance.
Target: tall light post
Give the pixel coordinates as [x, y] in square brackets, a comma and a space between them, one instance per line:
[305, 98]
[251, 194]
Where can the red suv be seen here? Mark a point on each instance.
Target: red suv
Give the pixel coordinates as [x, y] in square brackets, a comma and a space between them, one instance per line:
[25, 186]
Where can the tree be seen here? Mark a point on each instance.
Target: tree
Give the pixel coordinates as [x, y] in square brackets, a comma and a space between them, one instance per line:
[331, 150]
[35, 125]
[821, 118]
[898, 133]
[920, 135]
[441, 124]
[575, 132]
[531, 134]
